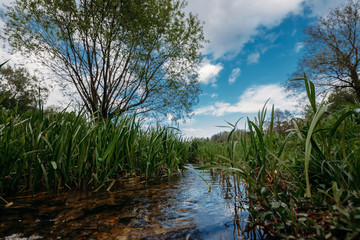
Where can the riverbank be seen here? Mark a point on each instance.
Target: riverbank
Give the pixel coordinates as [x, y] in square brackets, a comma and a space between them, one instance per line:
[303, 184]
[47, 151]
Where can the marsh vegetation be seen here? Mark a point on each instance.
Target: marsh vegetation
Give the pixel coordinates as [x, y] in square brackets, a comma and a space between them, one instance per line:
[300, 185]
[55, 151]
[288, 177]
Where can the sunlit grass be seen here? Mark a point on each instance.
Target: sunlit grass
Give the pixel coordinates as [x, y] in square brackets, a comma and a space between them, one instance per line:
[301, 185]
[53, 151]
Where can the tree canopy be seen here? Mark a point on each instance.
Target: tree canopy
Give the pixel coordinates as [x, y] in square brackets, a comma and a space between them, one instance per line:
[120, 55]
[282, 121]
[332, 49]
[20, 89]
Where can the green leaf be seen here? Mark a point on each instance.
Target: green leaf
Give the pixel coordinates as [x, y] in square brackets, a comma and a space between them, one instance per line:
[54, 165]
[275, 204]
[2, 64]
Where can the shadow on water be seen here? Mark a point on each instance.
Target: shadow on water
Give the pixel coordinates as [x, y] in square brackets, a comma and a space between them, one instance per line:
[178, 208]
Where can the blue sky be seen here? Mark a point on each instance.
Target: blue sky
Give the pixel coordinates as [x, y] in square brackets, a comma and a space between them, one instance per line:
[254, 46]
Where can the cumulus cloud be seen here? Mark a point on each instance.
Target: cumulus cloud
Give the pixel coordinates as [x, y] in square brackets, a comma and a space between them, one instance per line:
[208, 72]
[230, 24]
[321, 7]
[253, 58]
[200, 132]
[235, 73]
[5, 2]
[205, 110]
[56, 97]
[252, 100]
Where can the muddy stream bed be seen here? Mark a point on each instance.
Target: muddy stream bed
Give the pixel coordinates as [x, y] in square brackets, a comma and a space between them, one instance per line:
[180, 207]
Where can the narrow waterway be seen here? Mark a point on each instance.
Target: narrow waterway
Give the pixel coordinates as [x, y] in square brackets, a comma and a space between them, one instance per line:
[183, 207]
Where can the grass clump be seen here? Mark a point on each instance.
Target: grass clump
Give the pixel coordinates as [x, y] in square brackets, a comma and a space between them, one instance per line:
[41, 150]
[302, 185]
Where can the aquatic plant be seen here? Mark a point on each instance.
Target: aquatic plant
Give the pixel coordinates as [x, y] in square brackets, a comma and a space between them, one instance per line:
[42, 150]
[302, 185]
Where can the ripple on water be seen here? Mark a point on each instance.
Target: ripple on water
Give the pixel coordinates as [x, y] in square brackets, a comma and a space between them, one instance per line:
[176, 208]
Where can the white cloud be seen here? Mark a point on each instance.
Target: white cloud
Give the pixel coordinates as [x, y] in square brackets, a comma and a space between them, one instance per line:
[209, 72]
[5, 2]
[188, 121]
[235, 73]
[299, 46]
[252, 100]
[205, 110]
[253, 58]
[214, 95]
[169, 118]
[230, 24]
[200, 132]
[321, 7]
[56, 97]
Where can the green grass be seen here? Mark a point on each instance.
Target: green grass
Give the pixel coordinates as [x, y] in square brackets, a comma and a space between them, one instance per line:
[53, 151]
[303, 185]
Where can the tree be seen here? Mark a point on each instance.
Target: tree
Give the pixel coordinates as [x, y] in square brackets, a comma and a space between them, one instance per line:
[332, 50]
[282, 121]
[121, 55]
[338, 97]
[19, 88]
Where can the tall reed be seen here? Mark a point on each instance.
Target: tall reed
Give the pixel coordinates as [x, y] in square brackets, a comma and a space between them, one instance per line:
[304, 184]
[42, 150]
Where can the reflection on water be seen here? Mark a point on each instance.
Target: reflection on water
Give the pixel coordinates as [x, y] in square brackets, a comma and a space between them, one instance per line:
[178, 208]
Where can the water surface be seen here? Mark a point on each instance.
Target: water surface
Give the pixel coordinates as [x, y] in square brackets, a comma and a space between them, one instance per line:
[182, 207]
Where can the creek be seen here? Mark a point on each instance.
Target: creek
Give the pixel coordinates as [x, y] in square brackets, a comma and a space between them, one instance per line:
[180, 207]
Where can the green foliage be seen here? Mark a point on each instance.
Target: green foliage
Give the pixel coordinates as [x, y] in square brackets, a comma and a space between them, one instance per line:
[121, 56]
[303, 185]
[339, 98]
[331, 49]
[282, 121]
[21, 90]
[50, 151]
